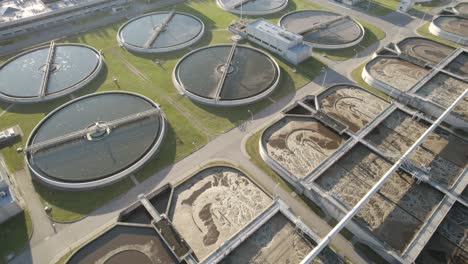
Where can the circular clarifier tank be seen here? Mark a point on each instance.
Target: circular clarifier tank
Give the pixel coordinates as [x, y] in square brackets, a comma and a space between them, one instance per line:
[48, 72]
[95, 140]
[253, 7]
[160, 32]
[226, 75]
[324, 29]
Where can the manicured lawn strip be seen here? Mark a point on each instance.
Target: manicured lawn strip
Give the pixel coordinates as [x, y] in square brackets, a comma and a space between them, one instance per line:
[69, 206]
[27, 116]
[14, 235]
[424, 31]
[64, 258]
[379, 7]
[372, 35]
[428, 6]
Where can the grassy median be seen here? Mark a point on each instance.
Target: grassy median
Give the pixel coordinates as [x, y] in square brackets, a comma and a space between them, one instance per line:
[14, 235]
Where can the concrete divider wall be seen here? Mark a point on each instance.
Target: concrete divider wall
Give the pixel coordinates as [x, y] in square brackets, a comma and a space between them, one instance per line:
[251, 13]
[417, 102]
[439, 32]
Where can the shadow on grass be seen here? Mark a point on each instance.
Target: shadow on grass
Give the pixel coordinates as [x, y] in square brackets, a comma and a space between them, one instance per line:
[101, 32]
[14, 235]
[310, 68]
[164, 158]
[375, 8]
[209, 23]
[72, 205]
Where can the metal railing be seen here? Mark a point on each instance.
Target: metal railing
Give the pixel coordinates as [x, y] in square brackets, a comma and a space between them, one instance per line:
[50, 60]
[158, 29]
[225, 71]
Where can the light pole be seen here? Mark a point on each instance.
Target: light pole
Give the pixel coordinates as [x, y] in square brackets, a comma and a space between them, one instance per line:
[242, 3]
[325, 76]
[275, 190]
[251, 115]
[355, 53]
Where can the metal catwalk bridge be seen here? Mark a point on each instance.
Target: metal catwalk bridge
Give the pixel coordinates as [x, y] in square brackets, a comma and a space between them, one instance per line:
[158, 29]
[95, 128]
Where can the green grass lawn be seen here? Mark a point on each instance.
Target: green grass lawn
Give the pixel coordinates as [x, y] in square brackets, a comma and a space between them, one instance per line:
[64, 258]
[379, 7]
[190, 125]
[372, 35]
[68, 206]
[428, 6]
[424, 31]
[14, 234]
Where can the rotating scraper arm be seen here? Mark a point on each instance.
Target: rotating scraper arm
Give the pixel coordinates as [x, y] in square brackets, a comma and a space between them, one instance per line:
[158, 29]
[90, 130]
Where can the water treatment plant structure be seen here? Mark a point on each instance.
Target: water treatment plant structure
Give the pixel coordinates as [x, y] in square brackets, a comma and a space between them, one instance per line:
[216, 215]
[48, 72]
[252, 8]
[89, 143]
[231, 75]
[424, 74]
[324, 29]
[452, 24]
[333, 147]
[160, 32]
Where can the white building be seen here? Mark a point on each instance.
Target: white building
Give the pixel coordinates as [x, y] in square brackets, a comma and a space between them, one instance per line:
[278, 40]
